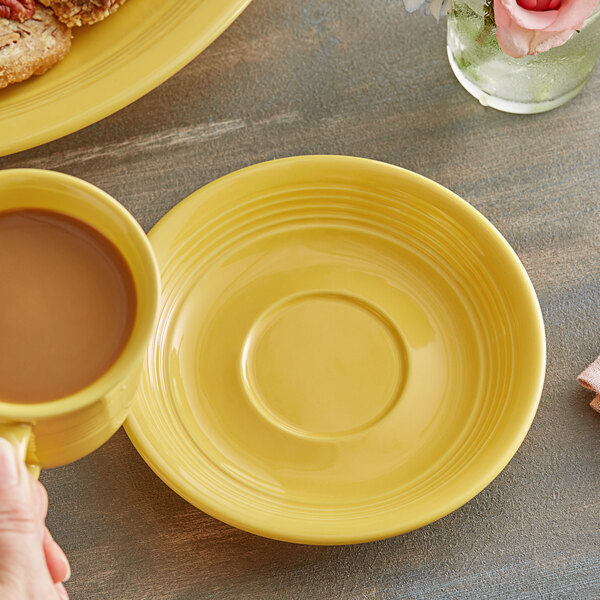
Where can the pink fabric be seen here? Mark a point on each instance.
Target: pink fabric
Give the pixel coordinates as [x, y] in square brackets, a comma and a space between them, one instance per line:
[590, 379]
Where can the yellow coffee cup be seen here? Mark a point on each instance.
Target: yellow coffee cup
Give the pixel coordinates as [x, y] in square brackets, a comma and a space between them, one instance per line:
[56, 432]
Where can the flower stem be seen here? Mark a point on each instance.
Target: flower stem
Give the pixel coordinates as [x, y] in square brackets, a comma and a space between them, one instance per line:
[489, 22]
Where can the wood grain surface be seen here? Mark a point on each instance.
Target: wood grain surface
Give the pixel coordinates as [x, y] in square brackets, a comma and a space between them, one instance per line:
[360, 78]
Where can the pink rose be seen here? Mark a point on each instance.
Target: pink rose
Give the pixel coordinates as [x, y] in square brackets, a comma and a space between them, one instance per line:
[531, 26]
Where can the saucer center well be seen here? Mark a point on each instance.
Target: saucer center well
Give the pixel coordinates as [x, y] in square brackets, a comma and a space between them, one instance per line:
[323, 364]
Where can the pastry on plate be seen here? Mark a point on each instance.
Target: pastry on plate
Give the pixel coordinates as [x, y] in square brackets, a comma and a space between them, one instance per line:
[32, 46]
[17, 10]
[82, 12]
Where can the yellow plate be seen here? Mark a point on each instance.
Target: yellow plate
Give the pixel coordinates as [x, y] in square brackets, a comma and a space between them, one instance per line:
[110, 65]
[346, 351]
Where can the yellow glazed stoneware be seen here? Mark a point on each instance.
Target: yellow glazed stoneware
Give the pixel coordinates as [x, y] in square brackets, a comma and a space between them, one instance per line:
[345, 351]
[110, 65]
[63, 430]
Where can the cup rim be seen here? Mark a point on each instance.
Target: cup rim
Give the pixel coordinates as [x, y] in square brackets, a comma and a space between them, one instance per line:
[117, 372]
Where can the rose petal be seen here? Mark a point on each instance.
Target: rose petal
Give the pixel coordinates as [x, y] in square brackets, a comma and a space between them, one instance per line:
[540, 5]
[513, 42]
[544, 40]
[528, 19]
[572, 14]
[513, 39]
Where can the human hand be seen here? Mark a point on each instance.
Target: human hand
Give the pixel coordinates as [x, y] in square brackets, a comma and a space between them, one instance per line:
[32, 565]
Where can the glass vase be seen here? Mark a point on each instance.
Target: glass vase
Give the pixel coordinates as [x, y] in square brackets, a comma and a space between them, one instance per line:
[527, 85]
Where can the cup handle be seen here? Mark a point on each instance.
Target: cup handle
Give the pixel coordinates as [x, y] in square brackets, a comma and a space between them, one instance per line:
[19, 435]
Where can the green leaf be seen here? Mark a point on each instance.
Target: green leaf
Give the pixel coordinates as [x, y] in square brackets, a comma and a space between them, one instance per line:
[488, 14]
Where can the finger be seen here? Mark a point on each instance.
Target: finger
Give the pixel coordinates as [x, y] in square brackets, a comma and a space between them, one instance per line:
[61, 591]
[20, 525]
[17, 506]
[58, 564]
[56, 560]
[42, 498]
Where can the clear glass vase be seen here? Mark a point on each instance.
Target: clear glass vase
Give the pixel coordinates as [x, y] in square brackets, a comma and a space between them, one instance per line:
[531, 84]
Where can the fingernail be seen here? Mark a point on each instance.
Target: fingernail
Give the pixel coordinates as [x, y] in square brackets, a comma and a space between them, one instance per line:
[66, 565]
[62, 592]
[58, 552]
[9, 474]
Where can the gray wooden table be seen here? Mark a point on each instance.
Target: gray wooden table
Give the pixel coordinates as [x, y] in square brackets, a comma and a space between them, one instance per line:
[361, 78]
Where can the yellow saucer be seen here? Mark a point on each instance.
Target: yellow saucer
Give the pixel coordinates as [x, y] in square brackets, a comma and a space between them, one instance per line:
[346, 351]
[111, 64]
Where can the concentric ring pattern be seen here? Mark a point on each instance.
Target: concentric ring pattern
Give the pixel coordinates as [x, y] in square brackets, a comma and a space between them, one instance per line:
[110, 65]
[346, 351]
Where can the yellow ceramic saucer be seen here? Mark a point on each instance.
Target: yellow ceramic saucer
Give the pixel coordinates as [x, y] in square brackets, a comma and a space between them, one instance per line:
[110, 65]
[346, 351]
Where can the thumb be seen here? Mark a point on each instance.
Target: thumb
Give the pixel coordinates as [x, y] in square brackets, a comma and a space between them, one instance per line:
[21, 527]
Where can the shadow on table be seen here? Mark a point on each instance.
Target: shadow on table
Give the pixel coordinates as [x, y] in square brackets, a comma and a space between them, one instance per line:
[124, 530]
